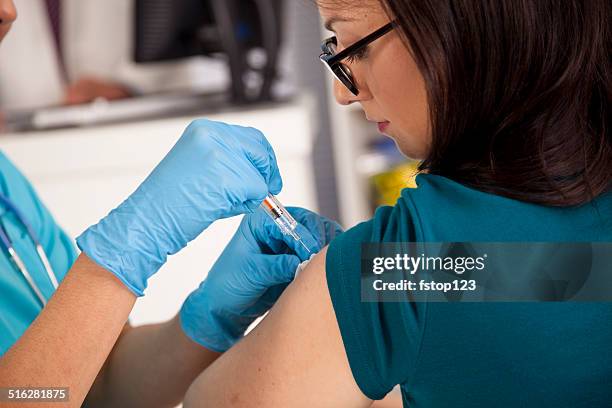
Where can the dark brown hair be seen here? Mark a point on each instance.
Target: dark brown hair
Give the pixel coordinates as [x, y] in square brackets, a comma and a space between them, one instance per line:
[519, 93]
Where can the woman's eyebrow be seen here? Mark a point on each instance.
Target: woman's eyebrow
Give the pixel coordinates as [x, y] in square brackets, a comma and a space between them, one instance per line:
[333, 20]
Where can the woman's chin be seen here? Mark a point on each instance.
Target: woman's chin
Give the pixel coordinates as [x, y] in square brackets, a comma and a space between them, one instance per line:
[411, 152]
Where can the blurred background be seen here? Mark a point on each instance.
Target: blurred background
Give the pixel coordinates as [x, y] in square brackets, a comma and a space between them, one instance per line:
[94, 93]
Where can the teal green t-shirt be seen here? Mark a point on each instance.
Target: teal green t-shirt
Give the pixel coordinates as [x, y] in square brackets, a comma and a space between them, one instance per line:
[474, 354]
[19, 306]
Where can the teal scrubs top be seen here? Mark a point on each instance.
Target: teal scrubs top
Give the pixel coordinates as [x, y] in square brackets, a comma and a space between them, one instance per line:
[19, 306]
[474, 354]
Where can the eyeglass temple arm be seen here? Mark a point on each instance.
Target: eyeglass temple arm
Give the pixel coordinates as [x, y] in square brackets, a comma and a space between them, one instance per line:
[361, 43]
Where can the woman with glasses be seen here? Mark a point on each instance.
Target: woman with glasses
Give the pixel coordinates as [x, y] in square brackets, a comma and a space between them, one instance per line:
[507, 104]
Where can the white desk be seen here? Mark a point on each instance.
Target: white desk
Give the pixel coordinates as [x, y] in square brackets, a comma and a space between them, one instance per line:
[83, 173]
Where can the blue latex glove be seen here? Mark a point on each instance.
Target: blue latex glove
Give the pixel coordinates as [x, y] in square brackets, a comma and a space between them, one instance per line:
[214, 171]
[249, 276]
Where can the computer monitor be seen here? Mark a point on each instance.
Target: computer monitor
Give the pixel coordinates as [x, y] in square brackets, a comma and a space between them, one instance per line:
[246, 32]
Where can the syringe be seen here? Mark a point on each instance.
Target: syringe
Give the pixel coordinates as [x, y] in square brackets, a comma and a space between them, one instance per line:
[282, 218]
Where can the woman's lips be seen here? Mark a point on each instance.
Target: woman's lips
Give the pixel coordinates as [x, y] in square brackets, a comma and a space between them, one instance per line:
[382, 126]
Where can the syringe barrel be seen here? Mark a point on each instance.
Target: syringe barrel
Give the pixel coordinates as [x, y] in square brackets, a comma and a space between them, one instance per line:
[279, 214]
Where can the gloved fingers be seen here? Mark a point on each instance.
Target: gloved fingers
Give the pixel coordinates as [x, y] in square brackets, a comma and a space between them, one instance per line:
[252, 191]
[322, 228]
[275, 181]
[244, 161]
[273, 293]
[261, 233]
[266, 301]
[265, 230]
[315, 232]
[271, 270]
[260, 153]
[272, 240]
[307, 246]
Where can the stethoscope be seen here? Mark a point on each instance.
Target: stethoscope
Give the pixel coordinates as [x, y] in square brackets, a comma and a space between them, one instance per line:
[7, 245]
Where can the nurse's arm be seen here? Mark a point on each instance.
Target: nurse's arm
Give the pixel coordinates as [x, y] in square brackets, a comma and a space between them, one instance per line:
[295, 357]
[69, 342]
[71, 338]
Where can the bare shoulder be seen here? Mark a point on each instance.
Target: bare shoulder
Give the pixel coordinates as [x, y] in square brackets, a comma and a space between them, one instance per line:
[295, 357]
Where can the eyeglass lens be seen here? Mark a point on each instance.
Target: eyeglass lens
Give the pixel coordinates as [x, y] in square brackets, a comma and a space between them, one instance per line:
[341, 71]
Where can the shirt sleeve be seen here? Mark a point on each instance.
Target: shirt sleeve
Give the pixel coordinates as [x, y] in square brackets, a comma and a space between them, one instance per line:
[381, 339]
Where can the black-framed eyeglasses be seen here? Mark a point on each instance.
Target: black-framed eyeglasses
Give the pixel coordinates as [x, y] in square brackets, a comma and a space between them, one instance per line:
[333, 61]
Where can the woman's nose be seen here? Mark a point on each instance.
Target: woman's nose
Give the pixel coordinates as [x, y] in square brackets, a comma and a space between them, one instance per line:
[8, 13]
[345, 97]
[342, 94]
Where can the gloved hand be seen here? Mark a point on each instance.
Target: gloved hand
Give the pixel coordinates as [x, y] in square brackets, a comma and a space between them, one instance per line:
[250, 275]
[214, 171]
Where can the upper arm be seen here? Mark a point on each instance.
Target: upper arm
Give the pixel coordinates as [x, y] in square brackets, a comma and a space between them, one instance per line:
[294, 357]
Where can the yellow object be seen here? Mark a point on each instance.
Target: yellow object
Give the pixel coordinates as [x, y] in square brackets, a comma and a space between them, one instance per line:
[389, 185]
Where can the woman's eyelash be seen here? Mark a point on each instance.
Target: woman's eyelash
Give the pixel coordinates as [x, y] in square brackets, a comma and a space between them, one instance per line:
[358, 55]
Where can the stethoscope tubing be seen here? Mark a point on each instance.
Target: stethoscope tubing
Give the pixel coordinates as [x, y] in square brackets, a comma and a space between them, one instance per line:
[16, 259]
